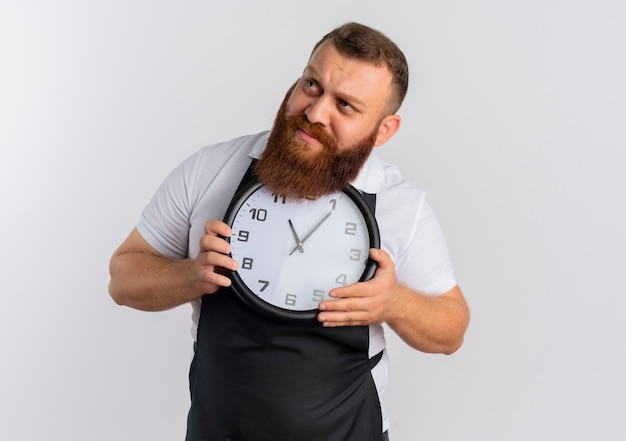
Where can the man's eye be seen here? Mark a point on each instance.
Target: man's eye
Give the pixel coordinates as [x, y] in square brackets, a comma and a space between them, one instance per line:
[345, 105]
[310, 84]
[311, 87]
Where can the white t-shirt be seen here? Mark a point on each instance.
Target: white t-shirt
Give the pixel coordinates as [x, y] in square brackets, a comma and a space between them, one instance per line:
[201, 188]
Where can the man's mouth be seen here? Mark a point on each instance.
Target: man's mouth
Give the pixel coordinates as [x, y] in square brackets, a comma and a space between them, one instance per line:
[307, 137]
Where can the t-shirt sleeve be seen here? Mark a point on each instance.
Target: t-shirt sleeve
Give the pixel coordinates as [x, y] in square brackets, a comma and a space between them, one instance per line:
[165, 221]
[424, 263]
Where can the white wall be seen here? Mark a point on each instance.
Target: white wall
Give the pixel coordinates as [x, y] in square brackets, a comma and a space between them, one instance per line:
[514, 123]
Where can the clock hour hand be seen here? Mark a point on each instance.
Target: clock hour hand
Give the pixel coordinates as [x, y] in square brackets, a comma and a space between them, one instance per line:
[311, 233]
[298, 241]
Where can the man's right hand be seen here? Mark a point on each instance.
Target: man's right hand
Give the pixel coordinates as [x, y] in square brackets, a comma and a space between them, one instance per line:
[142, 278]
[213, 257]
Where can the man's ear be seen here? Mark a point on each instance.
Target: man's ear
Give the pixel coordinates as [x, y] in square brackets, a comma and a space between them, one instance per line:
[388, 127]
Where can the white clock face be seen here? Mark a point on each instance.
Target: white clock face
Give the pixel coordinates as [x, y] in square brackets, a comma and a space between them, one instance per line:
[292, 253]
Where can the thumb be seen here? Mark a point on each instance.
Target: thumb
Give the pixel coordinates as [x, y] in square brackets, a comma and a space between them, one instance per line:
[382, 258]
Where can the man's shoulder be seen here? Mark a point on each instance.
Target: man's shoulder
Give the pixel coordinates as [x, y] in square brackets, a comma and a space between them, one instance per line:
[379, 176]
[220, 159]
[252, 144]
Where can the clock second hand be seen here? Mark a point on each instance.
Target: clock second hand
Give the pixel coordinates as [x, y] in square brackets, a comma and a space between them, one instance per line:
[299, 245]
[298, 241]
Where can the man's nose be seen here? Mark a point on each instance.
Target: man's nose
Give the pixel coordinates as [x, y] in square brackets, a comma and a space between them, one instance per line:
[319, 111]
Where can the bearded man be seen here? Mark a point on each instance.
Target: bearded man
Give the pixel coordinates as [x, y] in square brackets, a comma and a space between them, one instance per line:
[256, 379]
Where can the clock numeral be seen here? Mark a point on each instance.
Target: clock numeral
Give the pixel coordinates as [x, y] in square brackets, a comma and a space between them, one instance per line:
[333, 202]
[290, 299]
[355, 254]
[318, 295]
[350, 229]
[342, 279]
[259, 214]
[281, 197]
[247, 263]
[243, 235]
[265, 284]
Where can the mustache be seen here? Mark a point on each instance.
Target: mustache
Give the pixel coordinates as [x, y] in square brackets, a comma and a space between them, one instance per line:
[314, 129]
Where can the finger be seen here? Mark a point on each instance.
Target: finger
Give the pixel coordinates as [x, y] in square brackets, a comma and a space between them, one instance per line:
[358, 289]
[381, 257]
[364, 308]
[209, 270]
[334, 319]
[344, 305]
[208, 242]
[217, 228]
[337, 295]
[215, 259]
[208, 280]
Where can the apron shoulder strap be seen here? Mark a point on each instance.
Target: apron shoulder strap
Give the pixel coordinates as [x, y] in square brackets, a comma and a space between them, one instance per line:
[248, 176]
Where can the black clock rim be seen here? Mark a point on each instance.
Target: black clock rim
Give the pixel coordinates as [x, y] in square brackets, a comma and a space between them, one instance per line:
[291, 315]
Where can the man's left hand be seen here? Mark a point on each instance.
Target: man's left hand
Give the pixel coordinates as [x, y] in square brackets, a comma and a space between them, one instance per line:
[363, 303]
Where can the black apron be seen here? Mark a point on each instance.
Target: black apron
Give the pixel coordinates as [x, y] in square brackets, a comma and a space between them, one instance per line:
[255, 379]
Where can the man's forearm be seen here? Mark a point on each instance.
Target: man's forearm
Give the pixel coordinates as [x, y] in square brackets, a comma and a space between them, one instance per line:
[434, 324]
[150, 282]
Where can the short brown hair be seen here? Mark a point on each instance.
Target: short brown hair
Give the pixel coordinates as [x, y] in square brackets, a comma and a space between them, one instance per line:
[358, 41]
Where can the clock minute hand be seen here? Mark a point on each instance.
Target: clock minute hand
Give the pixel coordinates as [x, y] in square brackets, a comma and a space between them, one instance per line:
[298, 241]
[312, 231]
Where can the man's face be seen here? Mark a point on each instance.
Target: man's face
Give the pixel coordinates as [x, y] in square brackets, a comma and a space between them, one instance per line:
[345, 96]
[326, 126]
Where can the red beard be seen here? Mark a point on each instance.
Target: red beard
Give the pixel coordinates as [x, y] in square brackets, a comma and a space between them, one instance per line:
[288, 168]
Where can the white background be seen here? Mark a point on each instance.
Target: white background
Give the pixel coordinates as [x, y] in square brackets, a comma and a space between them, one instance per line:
[514, 123]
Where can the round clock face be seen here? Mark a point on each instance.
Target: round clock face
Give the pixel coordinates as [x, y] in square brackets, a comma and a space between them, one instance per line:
[291, 253]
